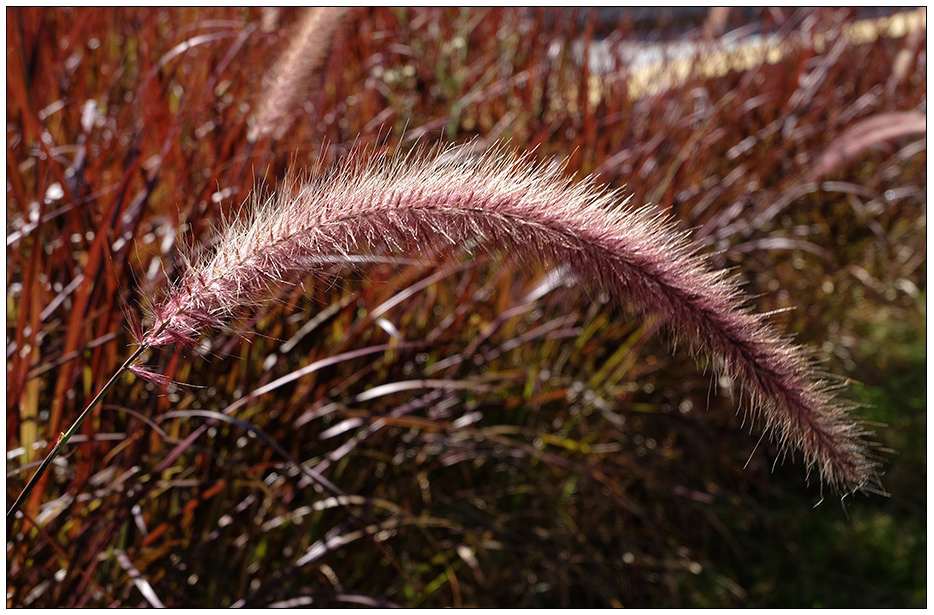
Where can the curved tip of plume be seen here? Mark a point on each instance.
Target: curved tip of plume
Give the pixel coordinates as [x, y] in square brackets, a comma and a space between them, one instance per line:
[508, 202]
[292, 76]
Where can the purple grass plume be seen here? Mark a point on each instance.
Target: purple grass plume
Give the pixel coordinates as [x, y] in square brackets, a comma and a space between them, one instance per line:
[293, 74]
[532, 211]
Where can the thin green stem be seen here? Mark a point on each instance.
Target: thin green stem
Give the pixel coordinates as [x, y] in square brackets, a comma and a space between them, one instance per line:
[63, 440]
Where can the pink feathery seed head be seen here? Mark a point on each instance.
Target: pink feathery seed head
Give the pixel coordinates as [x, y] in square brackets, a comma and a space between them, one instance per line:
[156, 378]
[293, 72]
[532, 211]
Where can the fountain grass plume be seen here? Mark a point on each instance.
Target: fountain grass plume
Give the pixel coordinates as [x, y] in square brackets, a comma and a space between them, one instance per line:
[292, 76]
[532, 211]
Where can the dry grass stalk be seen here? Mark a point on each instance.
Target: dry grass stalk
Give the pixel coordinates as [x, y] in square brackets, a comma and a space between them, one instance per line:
[532, 211]
[294, 72]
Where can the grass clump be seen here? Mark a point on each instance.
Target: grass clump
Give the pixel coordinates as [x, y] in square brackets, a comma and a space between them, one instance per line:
[451, 428]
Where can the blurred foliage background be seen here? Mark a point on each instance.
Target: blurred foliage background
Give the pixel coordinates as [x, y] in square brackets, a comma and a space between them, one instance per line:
[496, 436]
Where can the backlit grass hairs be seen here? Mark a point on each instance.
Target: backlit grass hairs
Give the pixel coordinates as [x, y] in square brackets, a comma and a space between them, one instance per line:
[532, 211]
[501, 201]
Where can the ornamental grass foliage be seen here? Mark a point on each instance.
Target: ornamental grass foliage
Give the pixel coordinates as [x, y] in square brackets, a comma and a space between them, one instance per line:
[450, 307]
